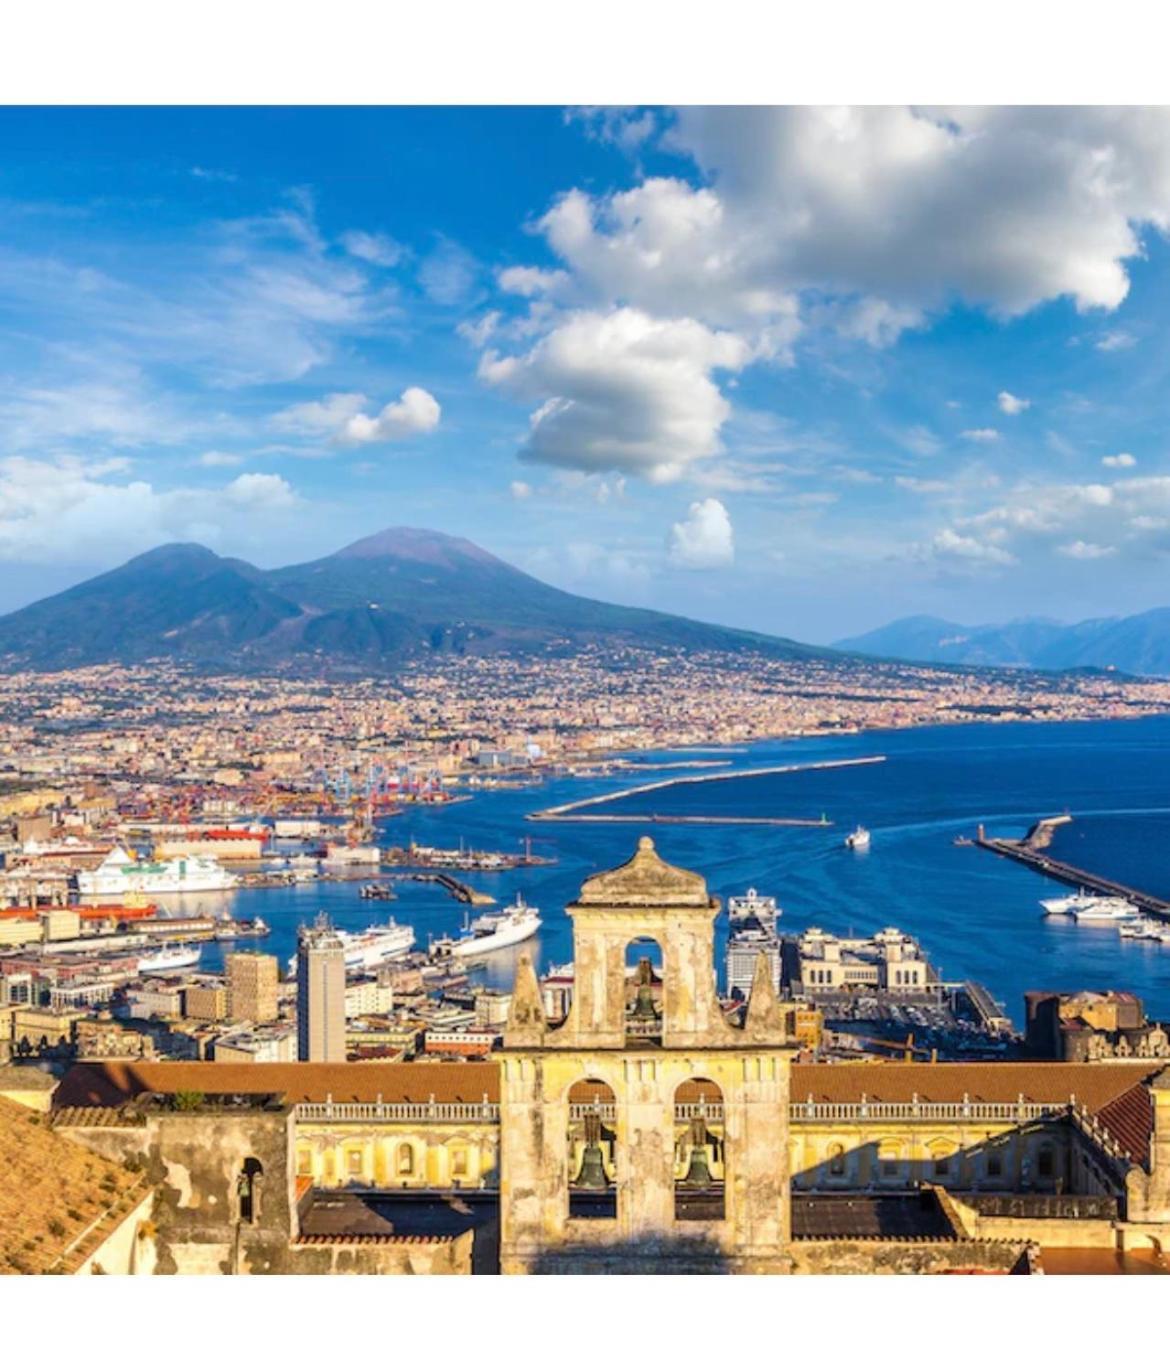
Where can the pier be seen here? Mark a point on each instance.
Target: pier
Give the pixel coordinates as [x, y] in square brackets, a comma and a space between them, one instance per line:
[571, 810]
[1031, 852]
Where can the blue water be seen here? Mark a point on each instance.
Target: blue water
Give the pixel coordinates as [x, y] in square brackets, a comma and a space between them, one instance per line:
[977, 916]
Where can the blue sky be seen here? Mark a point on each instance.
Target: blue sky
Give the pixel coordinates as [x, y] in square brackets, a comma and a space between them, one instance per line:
[803, 370]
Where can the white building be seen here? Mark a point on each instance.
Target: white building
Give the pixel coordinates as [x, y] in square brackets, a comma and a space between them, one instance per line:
[889, 961]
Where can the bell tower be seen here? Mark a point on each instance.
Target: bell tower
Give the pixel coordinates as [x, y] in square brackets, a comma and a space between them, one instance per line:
[694, 1109]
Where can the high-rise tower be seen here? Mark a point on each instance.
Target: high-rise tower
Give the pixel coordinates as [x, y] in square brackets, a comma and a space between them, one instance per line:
[320, 994]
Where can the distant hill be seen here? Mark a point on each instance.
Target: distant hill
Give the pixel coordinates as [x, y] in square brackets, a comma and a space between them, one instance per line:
[397, 594]
[1137, 644]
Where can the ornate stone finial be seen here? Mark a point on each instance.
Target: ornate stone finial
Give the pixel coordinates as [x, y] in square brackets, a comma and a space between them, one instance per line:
[764, 1017]
[646, 844]
[646, 881]
[526, 1021]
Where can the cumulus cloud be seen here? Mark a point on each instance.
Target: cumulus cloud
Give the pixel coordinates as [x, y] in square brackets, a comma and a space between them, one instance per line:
[214, 458]
[1085, 552]
[981, 435]
[705, 538]
[1119, 460]
[377, 248]
[1011, 404]
[950, 544]
[70, 507]
[341, 417]
[621, 391]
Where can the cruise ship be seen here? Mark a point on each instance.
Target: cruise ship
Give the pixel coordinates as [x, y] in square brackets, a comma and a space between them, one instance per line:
[375, 945]
[168, 959]
[121, 875]
[1098, 909]
[489, 933]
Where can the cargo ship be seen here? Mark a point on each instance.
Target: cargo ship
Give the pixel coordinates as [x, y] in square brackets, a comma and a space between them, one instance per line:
[120, 874]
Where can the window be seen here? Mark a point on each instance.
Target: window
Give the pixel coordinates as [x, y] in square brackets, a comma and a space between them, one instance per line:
[405, 1160]
[304, 1163]
[836, 1161]
[459, 1162]
[942, 1166]
[353, 1162]
[995, 1163]
[1046, 1162]
[889, 1167]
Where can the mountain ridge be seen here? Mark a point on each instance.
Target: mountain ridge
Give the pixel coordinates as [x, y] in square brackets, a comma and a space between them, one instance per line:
[1137, 644]
[393, 595]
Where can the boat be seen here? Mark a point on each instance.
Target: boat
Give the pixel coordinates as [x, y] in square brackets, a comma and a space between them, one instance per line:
[1092, 908]
[858, 840]
[377, 890]
[1151, 930]
[375, 945]
[489, 933]
[169, 959]
[119, 874]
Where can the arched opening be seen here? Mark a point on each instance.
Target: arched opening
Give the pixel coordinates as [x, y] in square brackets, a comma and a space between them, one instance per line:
[248, 1190]
[837, 1166]
[643, 991]
[404, 1163]
[699, 1159]
[590, 1150]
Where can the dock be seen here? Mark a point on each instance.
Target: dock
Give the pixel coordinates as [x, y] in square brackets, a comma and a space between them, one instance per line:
[1031, 851]
[820, 823]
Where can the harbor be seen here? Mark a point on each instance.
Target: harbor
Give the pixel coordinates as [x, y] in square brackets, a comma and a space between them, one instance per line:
[1032, 852]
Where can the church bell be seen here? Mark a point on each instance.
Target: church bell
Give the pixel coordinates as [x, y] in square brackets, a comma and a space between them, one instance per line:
[644, 1007]
[699, 1170]
[591, 1174]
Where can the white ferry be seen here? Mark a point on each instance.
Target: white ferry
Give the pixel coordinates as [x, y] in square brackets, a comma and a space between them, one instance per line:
[858, 840]
[120, 874]
[1093, 909]
[168, 959]
[489, 933]
[375, 945]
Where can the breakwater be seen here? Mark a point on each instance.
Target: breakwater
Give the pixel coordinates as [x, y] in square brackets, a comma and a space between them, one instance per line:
[1031, 852]
[572, 810]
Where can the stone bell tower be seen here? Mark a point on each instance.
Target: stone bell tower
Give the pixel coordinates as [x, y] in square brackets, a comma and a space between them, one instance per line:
[646, 1132]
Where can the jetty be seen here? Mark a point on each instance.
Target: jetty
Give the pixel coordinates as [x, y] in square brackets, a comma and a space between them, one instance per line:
[572, 809]
[1031, 851]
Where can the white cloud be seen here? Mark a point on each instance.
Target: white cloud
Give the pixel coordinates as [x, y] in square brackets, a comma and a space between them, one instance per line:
[340, 417]
[1085, 552]
[530, 281]
[1011, 404]
[704, 539]
[377, 248]
[260, 490]
[981, 435]
[520, 490]
[1114, 340]
[67, 507]
[214, 458]
[449, 273]
[622, 392]
[949, 543]
[478, 331]
[1119, 460]
[415, 412]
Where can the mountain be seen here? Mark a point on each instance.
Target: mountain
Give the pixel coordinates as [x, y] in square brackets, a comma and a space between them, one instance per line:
[1138, 644]
[394, 595]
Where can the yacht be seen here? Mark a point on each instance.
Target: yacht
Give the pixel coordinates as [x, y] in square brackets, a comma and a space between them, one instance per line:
[489, 933]
[1105, 909]
[858, 840]
[1149, 929]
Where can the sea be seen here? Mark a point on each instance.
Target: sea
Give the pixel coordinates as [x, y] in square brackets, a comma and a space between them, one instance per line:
[977, 916]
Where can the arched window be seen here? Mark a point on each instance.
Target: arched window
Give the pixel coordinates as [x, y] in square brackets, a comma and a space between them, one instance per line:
[643, 980]
[699, 1161]
[589, 1149]
[404, 1164]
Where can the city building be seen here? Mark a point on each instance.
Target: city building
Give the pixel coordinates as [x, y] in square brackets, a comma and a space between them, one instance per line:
[252, 986]
[889, 961]
[1091, 1026]
[320, 994]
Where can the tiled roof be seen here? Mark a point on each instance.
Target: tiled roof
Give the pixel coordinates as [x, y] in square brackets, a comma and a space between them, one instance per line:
[1094, 1085]
[115, 1083]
